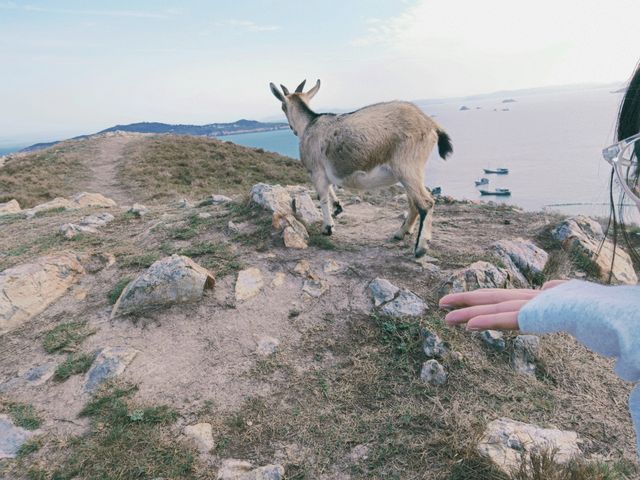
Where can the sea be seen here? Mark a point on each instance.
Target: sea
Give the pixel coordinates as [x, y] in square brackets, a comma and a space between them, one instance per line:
[551, 142]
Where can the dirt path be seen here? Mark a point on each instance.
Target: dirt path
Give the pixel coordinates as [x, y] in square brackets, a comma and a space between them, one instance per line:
[104, 169]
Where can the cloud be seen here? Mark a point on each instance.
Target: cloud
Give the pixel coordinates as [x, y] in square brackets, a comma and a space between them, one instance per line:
[247, 25]
[98, 13]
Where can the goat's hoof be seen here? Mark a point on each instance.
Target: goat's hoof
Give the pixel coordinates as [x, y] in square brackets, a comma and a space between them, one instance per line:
[327, 231]
[337, 209]
[398, 236]
[420, 252]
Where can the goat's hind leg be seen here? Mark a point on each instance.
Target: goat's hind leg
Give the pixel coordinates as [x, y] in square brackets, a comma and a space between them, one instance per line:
[337, 207]
[409, 223]
[323, 189]
[424, 203]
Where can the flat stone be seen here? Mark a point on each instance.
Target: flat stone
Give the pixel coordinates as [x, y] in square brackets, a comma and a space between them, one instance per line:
[267, 346]
[172, 280]
[249, 283]
[383, 291]
[584, 235]
[10, 207]
[71, 230]
[314, 287]
[28, 289]
[12, 437]
[214, 200]
[109, 363]
[242, 470]
[56, 203]
[434, 373]
[98, 220]
[506, 440]
[85, 199]
[432, 345]
[525, 351]
[201, 434]
[405, 304]
[478, 275]
[31, 378]
[493, 339]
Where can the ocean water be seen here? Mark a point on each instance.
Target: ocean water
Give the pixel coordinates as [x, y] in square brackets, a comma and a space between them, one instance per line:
[551, 143]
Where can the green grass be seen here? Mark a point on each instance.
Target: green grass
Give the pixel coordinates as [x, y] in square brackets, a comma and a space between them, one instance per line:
[23, 415]
[584, 263]
[139, 261]
[216, 256]
[27, 448]
[126, 441]
[116, 291]
[66, 337]
[75, 364]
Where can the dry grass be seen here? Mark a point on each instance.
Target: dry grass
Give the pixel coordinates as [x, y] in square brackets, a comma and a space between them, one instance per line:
[41, 176]
[164, 167]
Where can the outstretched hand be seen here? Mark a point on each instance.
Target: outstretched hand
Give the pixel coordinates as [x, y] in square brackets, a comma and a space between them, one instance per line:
[490, 308]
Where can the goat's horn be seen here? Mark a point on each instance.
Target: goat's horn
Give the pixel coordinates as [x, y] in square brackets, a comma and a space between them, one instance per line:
[301, 86]
[285, 90]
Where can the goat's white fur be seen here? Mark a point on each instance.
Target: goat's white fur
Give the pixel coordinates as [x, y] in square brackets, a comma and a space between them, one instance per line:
[376, 146]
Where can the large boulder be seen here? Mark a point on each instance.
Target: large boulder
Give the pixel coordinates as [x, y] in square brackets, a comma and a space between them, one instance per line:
[28, 289]
[172, 280]
[584, 236]
[478, 275]
[10, 207]
[505, 441]
[522, 257]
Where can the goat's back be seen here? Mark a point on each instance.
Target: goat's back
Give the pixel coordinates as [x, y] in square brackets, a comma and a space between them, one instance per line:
[368, 137]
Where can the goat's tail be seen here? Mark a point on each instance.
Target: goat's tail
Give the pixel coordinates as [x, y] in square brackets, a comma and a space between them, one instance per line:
[445, 148]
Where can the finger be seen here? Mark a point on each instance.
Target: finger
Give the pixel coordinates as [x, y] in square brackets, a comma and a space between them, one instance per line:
[552, 283]
[463, 315]
[499, 321]
[486, 296]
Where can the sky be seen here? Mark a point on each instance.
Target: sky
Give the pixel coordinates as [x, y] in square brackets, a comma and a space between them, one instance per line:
[73, 67]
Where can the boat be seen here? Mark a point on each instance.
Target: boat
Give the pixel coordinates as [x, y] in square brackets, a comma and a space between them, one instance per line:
[499, 171]
[436, 190]
[482, 181]
[504, 192]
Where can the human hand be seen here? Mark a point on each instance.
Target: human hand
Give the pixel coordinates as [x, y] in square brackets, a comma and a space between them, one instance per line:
[490, 308]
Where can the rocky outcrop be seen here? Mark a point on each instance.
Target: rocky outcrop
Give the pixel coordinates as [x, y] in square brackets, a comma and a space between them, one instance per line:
[28, 289]
[478, 275]
[12, 437]
[248, 284]
[584, 237]
[232, 469]
[172, 280]
[505, 440]
[109, 363]
[10, 207]
[521, 257]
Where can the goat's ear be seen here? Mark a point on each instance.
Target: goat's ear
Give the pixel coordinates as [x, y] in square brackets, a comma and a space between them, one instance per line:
[301, 86]
[311, 93]
[276, 92]
[285, 90]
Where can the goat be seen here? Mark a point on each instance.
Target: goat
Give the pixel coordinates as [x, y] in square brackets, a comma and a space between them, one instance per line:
[376, 146]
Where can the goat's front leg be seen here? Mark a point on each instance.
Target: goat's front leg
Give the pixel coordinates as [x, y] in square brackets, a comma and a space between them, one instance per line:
[337, 207]
[323, 189]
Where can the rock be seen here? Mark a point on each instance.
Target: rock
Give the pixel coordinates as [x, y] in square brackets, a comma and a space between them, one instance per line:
[525, 351]
[28, 289]
[249, 283]
[214, 200]
[314, 287]
[99, 220]
[305, 210]
[434, 373]
[242, 470]
[171, 280]
[478, 275]
[110, 362]
[331, 266]
[405, 304]
[303, 268]
[184, 203]
[56, 203]
[31, 378]
[383, 291]
[493, 339]
[84, 200]
[96, 262]
[278, 280]
[583, 235]
[267, 346]
[12, 437]
[294, 234]
[10, 207]
[433, 346]
[272, 197]
[202, 436]
[505, 441]
[138, 210]
[71, 230]
[521, 257]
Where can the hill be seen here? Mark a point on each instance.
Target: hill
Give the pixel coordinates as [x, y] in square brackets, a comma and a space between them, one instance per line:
[285, 362]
